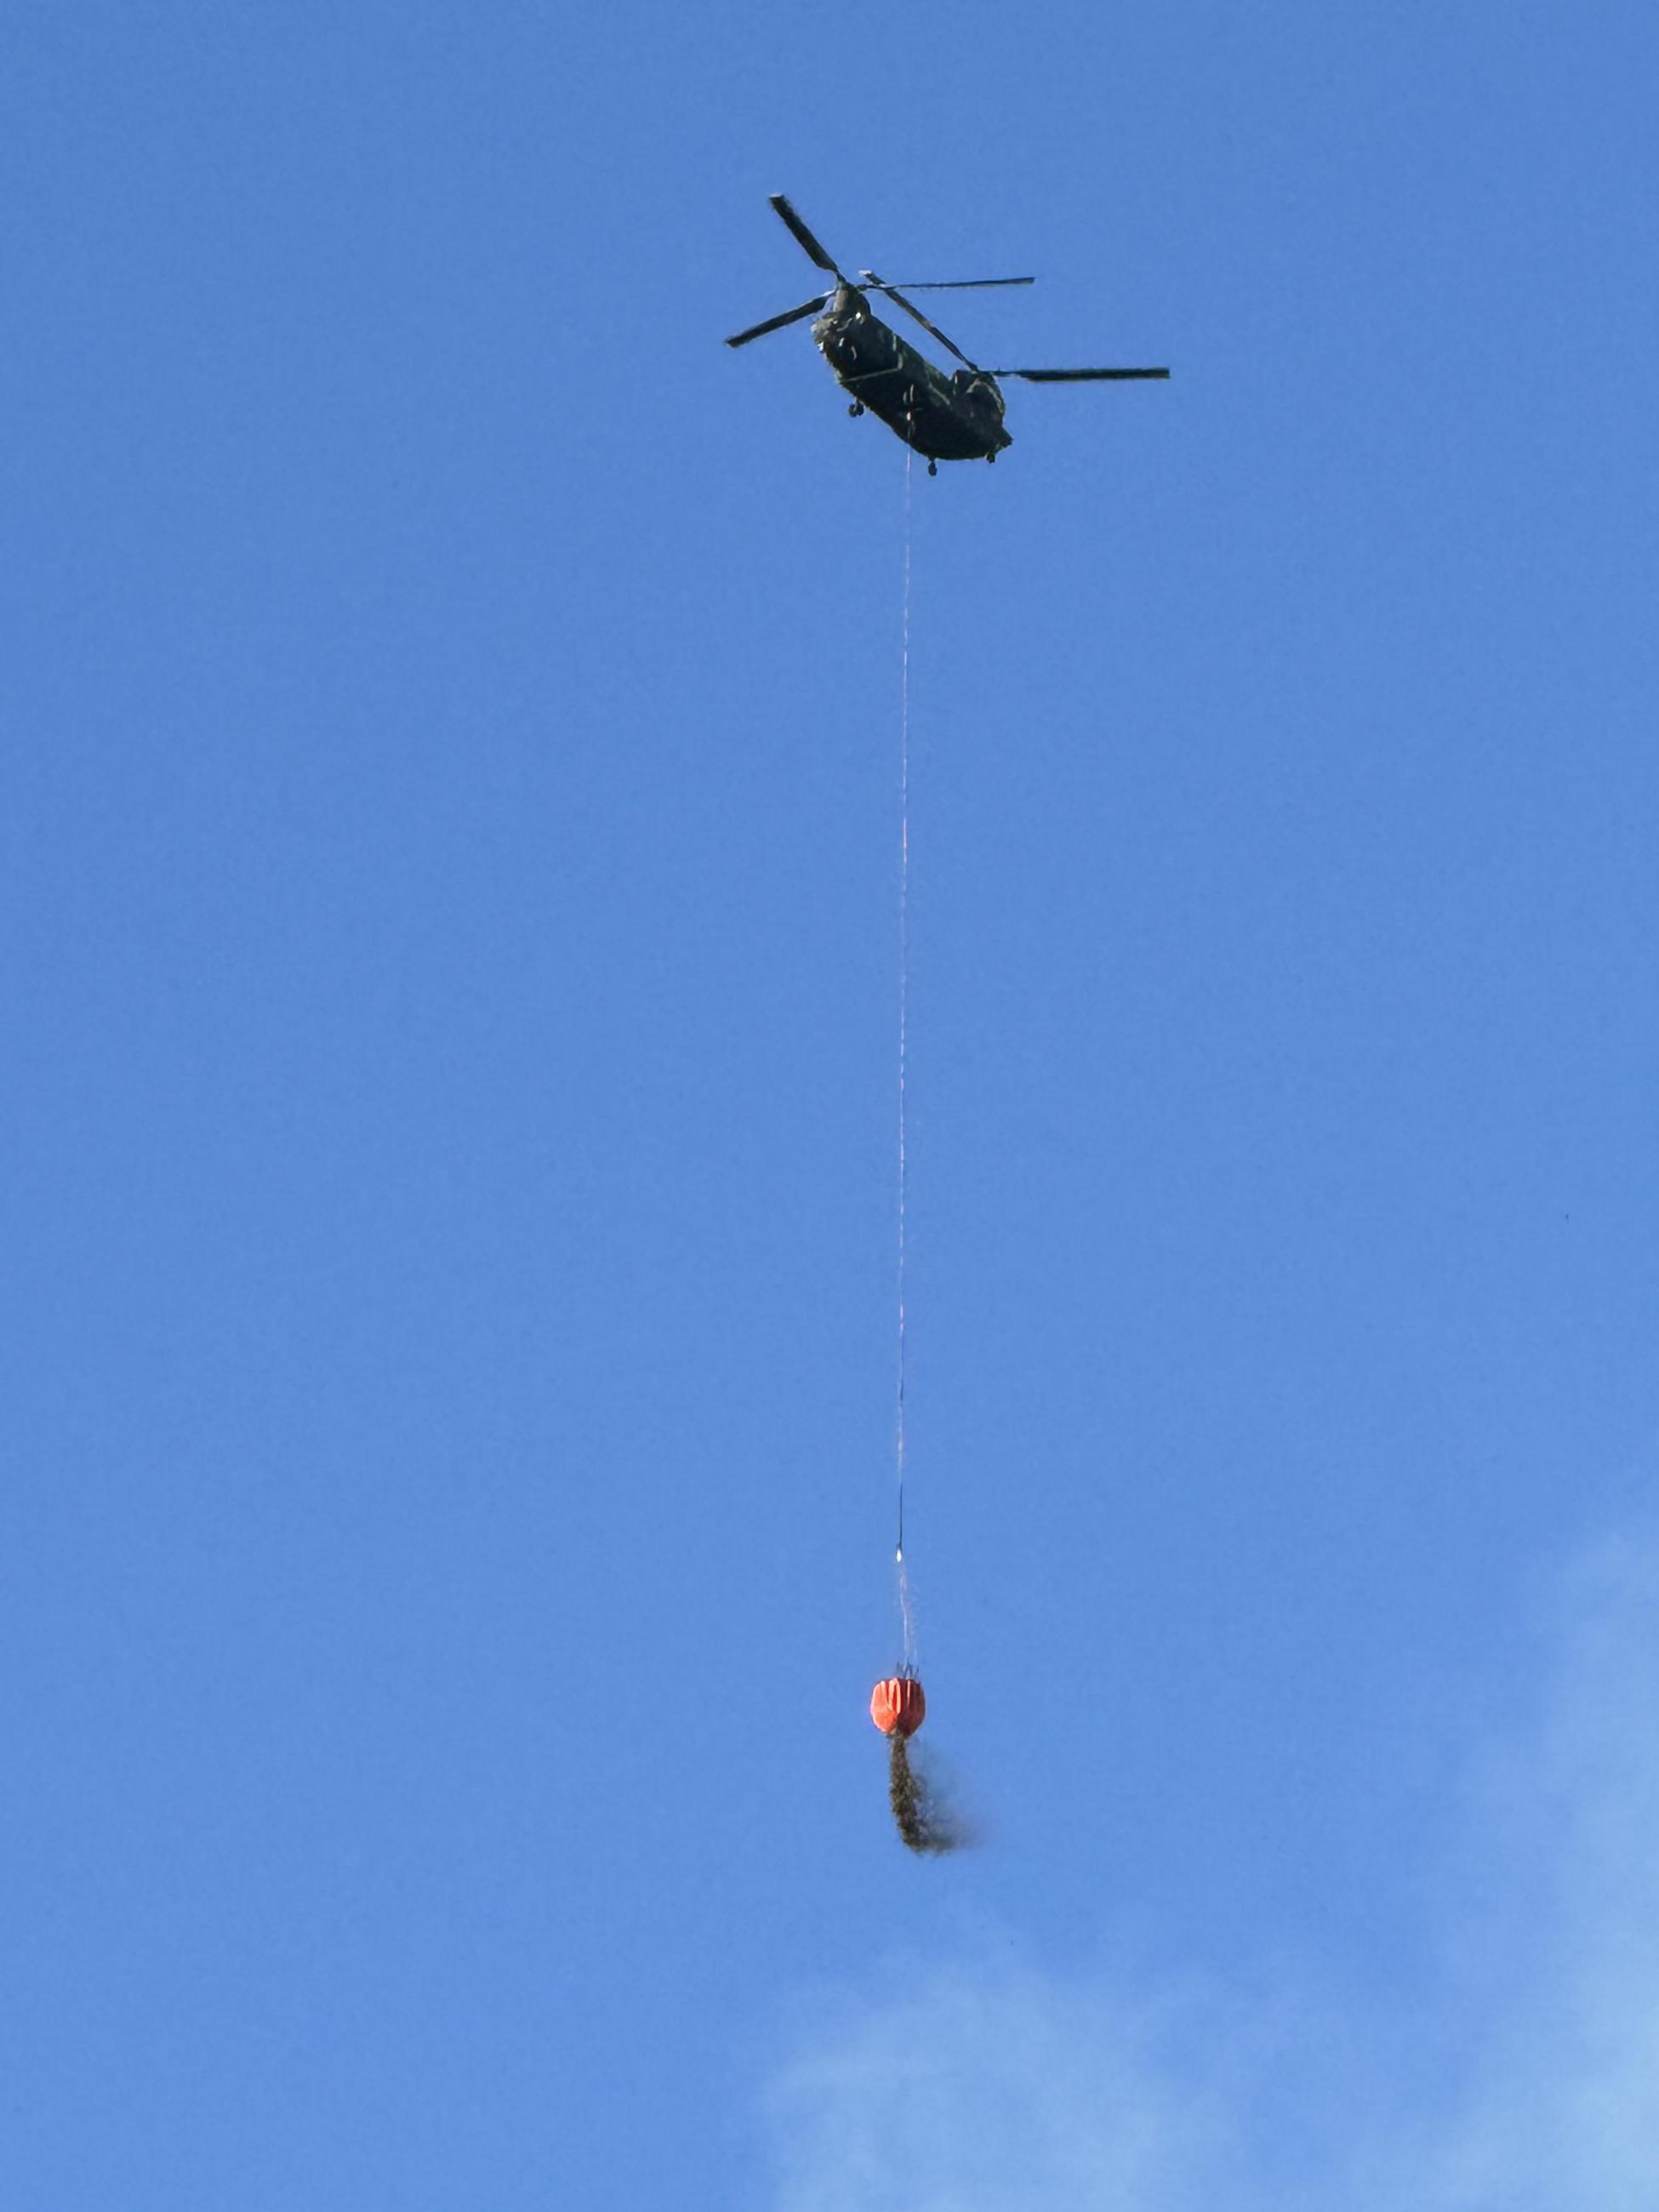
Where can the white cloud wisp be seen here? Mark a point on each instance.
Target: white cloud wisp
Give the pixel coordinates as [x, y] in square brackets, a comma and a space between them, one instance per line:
[976, 2088]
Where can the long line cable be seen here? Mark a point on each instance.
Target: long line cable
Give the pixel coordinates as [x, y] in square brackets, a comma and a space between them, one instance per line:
[906, 1617]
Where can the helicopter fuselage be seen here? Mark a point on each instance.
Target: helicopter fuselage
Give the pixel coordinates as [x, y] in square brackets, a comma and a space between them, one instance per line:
[948, 419]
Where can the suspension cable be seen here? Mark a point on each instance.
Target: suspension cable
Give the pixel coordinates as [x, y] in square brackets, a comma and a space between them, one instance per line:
[905, 1616]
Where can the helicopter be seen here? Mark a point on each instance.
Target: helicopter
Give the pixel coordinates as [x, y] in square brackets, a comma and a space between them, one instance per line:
[954, 417]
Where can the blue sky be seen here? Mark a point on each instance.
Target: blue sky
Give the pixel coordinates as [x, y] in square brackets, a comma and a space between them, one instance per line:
[450, 859]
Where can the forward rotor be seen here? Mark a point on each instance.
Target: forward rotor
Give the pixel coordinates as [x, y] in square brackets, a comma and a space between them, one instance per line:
[1079, 376]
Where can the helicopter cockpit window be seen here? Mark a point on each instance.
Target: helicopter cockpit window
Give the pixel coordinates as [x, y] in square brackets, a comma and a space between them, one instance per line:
[972, 384]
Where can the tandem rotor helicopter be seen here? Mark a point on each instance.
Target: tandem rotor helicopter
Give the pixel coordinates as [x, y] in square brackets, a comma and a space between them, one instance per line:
[948, 418]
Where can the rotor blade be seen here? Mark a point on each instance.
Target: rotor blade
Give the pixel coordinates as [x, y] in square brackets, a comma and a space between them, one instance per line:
[1078, 375]
[954, 284]
[804, 238]
[777, 322]
[917, 315]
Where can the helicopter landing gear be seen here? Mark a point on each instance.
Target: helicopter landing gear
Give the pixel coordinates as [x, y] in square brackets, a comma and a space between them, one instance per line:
[856, 409]
[932, 468]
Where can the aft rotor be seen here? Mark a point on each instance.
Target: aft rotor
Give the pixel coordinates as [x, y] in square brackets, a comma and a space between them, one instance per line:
[855, 292]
